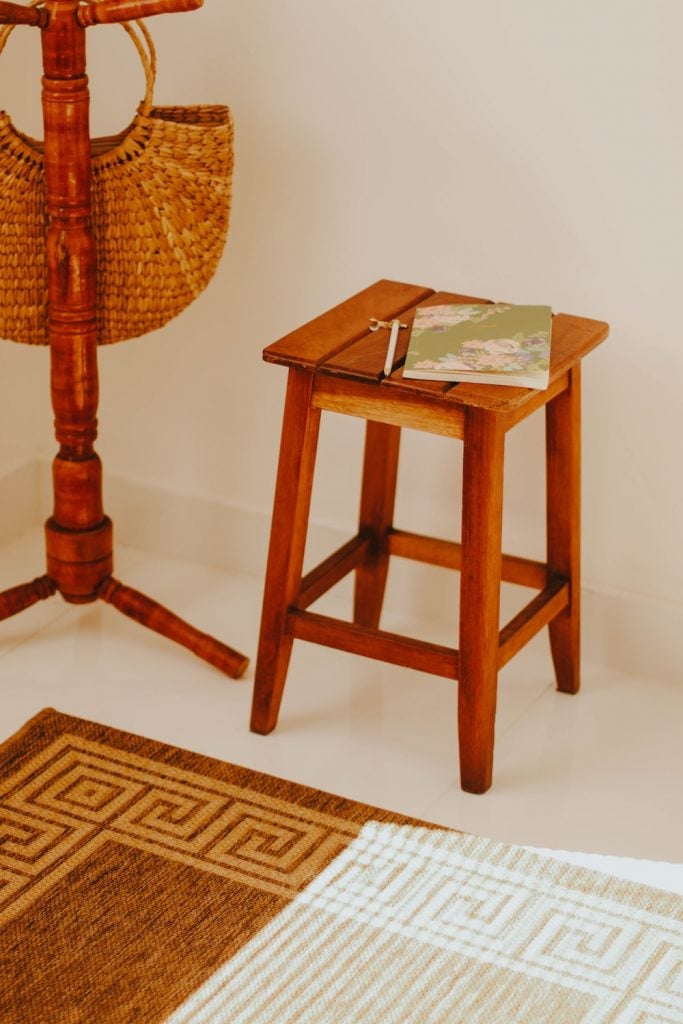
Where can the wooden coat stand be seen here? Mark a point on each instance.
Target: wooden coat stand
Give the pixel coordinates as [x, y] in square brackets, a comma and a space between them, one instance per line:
[79, 540]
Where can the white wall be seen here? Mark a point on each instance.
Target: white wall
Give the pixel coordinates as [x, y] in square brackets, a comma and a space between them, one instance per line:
[528, 151]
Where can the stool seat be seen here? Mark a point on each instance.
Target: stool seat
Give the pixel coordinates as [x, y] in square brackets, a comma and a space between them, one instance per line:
[336, 363]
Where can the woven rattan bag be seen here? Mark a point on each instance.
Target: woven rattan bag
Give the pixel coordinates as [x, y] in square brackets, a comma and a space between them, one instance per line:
[161, 194]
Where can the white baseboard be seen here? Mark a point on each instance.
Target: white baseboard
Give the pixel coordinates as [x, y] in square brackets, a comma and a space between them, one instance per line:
[626, 631]
[199, 528]
[21, 496]
[633, 632]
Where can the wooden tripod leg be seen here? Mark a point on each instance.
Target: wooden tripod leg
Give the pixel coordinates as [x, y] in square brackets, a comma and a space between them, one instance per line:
[563, 482]
[153, 615]
[16, 599]
[298, 447]
[378, 493]
[482, 526]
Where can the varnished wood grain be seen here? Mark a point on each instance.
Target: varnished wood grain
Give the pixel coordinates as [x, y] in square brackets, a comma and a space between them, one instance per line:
[16, 14]
[374, 643]
[107, 12]
[78, 535]
[573, 337]
[448, 554]
[341, 364]
[563, 517]
[16, 599]
[386, 405]
[333, 569]
[378, 493]
[339, 343]
[364, 359]
[552, 600]
[300, 429]
[480, 572]
[326, 335]
[154, 616]
[537, 400]
[78, 560]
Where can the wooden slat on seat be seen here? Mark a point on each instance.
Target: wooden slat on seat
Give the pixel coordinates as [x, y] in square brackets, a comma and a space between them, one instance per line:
[573, 337]
[364, 359]
[322, 338]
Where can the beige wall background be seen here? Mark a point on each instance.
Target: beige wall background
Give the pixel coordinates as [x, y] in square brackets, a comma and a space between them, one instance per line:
[528, 151]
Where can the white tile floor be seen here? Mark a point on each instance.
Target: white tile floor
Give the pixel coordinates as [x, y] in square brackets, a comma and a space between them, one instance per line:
[599, 772]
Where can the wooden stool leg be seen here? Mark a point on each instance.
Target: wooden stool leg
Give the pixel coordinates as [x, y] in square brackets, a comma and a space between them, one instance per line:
[298, 446]
[563, 481]
[482, 524]
[378, 493]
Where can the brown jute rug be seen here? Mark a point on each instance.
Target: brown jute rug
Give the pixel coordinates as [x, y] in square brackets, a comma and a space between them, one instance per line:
[140, 884]
[130, 871]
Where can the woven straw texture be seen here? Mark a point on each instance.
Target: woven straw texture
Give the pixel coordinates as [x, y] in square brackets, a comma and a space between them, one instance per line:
[161, 194]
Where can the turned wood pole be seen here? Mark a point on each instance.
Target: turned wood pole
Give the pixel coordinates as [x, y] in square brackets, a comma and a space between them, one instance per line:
[78, 535]
[79, 539]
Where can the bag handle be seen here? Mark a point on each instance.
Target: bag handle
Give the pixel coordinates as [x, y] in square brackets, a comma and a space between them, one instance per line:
[147, 53]
[142, 40]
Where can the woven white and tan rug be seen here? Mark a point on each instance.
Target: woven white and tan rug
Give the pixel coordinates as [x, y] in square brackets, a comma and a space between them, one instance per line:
[143, 884]
[412, 926]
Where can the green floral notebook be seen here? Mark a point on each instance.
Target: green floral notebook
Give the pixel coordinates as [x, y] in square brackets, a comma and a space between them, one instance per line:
[492, 344]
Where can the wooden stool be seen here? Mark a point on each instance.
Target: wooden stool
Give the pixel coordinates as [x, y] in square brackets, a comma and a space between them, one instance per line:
[335, 363]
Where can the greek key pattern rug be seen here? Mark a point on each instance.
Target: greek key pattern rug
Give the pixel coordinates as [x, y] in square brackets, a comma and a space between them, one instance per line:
[131, 870]
[142, 884]
[411, 925]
